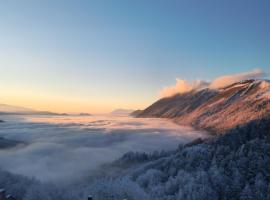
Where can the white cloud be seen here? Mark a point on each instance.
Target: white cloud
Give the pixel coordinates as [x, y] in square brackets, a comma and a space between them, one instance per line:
[183, 86]
[224, 81]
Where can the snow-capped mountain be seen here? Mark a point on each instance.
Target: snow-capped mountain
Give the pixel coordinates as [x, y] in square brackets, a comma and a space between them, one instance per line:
[216, 110]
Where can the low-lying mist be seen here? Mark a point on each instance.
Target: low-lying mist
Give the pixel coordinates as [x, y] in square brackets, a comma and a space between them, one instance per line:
[68, 149]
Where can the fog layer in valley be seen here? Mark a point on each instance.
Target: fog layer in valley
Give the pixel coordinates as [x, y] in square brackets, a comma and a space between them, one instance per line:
[69, 148]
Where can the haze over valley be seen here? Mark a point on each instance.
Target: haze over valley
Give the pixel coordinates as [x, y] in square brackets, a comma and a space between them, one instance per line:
[81, 144]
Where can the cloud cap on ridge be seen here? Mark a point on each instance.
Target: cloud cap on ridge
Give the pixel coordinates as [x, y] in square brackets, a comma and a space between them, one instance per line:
[183, 86]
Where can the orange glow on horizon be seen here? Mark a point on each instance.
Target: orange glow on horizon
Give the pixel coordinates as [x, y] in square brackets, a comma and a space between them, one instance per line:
[65, 105]
[64, 102]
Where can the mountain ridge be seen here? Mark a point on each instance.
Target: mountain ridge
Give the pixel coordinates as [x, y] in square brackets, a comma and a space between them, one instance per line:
[6, 109]
[216, 110]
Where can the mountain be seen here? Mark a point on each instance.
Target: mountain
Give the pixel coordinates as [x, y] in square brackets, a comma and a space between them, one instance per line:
[234, 165]
[14, 109]
[122, 111]
[136, 113]
[216, 110]
[84, 114]
[17, 110]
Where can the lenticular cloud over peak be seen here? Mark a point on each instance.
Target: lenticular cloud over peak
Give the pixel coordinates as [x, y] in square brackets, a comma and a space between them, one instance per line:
[183, 85]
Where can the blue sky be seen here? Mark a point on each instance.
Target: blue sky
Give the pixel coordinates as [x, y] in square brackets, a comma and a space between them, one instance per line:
[99, 55]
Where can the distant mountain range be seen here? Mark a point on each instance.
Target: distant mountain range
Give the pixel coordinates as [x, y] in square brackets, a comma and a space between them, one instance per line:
[216, 110]
[83, 114]
[14, 109]
[17, 110]
[121, 111]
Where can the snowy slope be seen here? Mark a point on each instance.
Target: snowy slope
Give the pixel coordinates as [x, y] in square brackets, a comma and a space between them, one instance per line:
[216, 110]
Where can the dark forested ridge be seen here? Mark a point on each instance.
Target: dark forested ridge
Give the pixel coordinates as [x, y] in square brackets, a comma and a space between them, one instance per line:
[235, 165]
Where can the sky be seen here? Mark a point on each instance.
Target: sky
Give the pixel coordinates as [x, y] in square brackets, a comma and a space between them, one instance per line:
[95, 56]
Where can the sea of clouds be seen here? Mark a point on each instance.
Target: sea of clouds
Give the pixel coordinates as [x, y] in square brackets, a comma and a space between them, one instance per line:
[68, 149]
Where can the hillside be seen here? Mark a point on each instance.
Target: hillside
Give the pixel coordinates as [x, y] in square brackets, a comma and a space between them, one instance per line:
[136, 113]
[216, 110]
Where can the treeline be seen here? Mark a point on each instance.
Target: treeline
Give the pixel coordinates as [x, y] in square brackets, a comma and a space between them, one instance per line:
[233, 166]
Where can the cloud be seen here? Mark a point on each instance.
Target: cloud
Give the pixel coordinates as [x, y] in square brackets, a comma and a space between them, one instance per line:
[183, 86]
[224, 81]
[65, 150]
